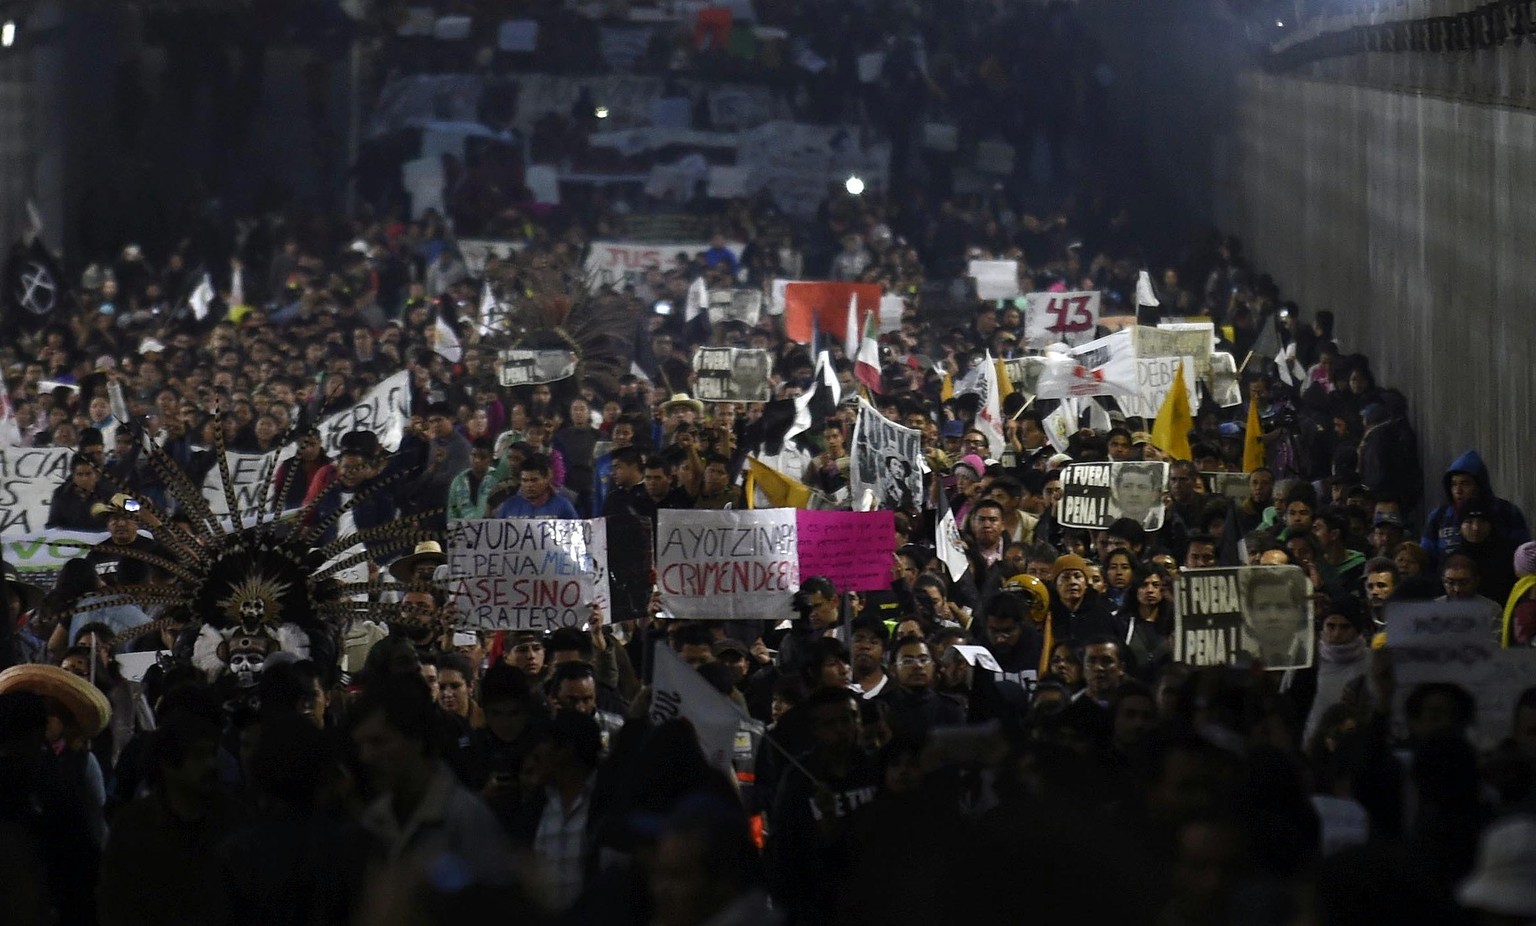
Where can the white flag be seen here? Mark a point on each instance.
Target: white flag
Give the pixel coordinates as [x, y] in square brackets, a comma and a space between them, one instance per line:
[1145, 294]
[1267, 343]
[1061, 424]
[445, 341]
[487, 309]
[10, 431]
[698, 300]
[679, 691]
[237, 284]
[950, 545]
[989, 420]
[201, 298]
[851, 336]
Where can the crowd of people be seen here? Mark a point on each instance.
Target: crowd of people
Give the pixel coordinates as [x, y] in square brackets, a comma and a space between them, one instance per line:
[418, 763]
[1011, 735]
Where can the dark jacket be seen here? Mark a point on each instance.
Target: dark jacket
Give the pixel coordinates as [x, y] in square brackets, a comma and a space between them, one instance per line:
[1442, 530]
[71, 509]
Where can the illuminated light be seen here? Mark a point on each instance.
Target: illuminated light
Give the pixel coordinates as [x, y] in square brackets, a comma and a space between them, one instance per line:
[601, 112]
[854, 185]
[8, 33]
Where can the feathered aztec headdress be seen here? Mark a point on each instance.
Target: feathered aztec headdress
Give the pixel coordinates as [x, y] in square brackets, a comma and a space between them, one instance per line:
[255, 572]
[540, 306]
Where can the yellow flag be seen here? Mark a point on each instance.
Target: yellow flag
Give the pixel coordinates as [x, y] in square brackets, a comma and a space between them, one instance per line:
[1253, 448]
[1004, 384]
[947, 391]
[1170, 432]
[780, 490]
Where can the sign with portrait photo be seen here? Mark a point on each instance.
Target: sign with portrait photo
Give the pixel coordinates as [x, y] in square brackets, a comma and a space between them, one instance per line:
[735, 305]
[1232, 486]
[532, 367]
[886, 462]
[1096, 495]
[1237, 615]
[731, 374]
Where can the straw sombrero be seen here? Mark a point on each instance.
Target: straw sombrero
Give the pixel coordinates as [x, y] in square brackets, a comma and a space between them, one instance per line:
[84, 702]
[428, 551]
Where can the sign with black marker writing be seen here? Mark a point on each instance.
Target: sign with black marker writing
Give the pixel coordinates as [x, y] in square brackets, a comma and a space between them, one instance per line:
[527, 573]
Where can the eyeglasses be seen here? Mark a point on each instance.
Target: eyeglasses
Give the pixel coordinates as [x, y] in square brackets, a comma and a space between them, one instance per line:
[915, 661]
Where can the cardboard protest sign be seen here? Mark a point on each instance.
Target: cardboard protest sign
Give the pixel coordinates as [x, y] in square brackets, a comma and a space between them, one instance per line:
[1051, 318]
[1233, 615]
[1196, 340]
[892, 308]
[823, 306]
[527, 573]
[1453, 641]
[531, 367]
[855, 549]
[248, 473]
[995, 279]
[1227, 485]
[744, 306]
[1154, 378]
[1223, 381]
[28, 477]
[1095, 495]
[732, 374]
[727, 565]
[886, 462]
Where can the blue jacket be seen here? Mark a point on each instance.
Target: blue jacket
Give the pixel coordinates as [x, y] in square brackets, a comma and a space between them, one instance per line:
[555, 507]
[1442, 530]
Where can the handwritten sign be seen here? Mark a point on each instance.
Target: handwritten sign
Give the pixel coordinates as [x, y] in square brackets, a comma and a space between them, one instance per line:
[854, 549]
[727, 565]
[1178, 339]
[28, 477]
[1453, 641]
[527, 573]
[1051, 318]
[1154, 377]
[995, 279]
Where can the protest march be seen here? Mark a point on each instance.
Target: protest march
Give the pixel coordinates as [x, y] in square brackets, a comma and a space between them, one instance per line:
[735, 464]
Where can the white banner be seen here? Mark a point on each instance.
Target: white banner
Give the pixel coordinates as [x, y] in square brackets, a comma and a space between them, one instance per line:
[624, 263]
[727, 565]
[385, 411]
[476, 251]
[1053, 318]
[1106, 366]
[678, 690]
[39, 555]
[28, 477]
[527, 573]
[1154, 377]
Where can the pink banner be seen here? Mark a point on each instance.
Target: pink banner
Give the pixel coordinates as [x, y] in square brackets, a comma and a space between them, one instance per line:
[855, 549]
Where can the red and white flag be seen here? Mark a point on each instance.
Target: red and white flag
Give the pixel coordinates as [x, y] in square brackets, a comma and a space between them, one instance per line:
[866, 369]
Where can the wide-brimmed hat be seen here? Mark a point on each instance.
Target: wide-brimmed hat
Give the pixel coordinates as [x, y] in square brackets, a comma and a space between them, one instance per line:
[428, 551]
[120, 504]
[30, 595]
[1504, 880]
[682, 398]
[83, 701]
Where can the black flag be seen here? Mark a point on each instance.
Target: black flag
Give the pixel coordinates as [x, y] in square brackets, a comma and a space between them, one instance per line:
[35, 287]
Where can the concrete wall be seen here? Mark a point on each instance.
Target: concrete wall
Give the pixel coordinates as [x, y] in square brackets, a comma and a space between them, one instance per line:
[1411, 217]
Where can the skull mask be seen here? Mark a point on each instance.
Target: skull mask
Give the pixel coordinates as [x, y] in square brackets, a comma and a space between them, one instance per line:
[252, 610]
[247, 667]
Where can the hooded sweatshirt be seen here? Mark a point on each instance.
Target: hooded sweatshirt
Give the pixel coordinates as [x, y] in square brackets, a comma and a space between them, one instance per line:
[1442, 530]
